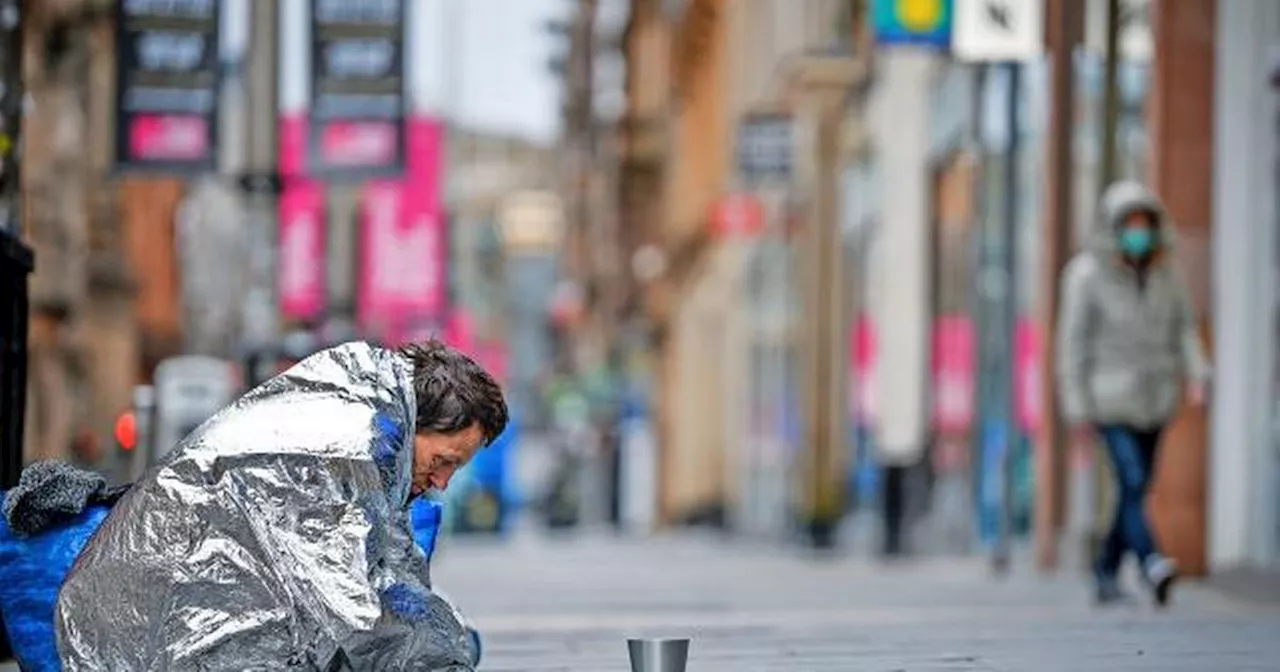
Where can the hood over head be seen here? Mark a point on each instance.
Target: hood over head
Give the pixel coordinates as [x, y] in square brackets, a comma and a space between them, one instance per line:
[1121, 200]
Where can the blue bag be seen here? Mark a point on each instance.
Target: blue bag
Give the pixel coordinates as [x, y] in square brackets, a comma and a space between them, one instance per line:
[34, 569]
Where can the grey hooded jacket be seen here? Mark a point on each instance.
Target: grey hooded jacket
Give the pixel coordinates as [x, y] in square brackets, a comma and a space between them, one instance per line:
[275, 537]
[1125, 347]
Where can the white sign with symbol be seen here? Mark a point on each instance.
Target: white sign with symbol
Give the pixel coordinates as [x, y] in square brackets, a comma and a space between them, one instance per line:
[998, 30]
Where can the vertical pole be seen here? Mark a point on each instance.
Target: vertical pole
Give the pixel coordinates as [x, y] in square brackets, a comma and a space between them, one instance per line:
[1107, 174]
[260, 160]
[1064, 30]
[15, 258]
[826, 350]
[1110, 99]
[1009, 315]
[11, 95]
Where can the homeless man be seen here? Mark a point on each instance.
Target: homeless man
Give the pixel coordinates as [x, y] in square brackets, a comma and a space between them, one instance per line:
[276, 536]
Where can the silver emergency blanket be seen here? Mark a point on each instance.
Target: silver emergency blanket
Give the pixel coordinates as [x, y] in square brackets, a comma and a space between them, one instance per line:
[275, 537]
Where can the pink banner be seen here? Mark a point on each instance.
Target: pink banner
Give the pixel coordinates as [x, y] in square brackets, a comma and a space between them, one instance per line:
[425, 135]
[380, 282]
[954, 367]
[403, 280]
[302, 264]
[862, 374]
[168, 138]
[1026, 347]
[293, 145]
[359, 143]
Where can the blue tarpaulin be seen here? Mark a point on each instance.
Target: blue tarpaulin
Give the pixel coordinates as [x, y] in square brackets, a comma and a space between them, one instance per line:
[34, 568]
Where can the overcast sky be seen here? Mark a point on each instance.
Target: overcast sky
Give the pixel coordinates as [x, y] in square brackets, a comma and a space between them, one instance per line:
[500, 51]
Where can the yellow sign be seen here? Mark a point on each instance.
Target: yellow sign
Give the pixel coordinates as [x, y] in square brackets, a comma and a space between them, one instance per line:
[921, 15]
[922, 22]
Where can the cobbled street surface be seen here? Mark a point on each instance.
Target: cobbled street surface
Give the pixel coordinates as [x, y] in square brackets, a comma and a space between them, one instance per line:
[547, 604]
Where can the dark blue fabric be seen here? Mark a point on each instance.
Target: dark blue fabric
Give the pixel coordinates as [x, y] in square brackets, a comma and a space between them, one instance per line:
[1133, 460]
[34, 569]
[407, 603]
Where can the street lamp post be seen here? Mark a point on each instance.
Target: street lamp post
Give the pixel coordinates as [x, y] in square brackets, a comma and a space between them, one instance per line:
[15, 259]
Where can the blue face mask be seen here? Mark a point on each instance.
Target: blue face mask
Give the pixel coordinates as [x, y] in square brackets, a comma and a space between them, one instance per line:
[1137, 241]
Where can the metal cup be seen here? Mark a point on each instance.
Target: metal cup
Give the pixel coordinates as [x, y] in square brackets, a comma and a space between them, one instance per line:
[658, 655]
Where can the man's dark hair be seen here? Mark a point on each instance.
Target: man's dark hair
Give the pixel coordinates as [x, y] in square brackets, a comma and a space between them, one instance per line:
[453, 391]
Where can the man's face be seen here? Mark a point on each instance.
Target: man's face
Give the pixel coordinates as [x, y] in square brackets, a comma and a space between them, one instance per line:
[437, 456]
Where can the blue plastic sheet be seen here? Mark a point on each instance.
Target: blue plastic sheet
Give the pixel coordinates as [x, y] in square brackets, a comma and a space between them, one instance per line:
[33, 569]
[425, 517]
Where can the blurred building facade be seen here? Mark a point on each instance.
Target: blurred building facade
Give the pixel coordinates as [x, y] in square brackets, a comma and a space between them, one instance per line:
[723, 348]
[691, 77]
[104, 296]
[1242, 469]
[716, 282]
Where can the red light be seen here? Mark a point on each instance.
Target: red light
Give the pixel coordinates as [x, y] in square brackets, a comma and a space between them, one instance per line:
[127, 431]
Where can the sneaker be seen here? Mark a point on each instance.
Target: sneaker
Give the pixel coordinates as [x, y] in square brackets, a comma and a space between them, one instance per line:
[1161, 573]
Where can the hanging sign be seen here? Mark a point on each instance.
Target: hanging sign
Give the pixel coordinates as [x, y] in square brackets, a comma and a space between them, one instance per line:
[357, 105]
[168, 77]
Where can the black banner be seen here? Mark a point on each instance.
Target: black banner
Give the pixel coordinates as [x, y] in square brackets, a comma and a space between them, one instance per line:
[167, 82]
[357, 121]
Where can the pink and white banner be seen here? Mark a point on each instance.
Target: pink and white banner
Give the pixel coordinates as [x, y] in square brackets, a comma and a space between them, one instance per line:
[403, 276]
[302, 266]
[1028, 395]
[293, 144]
[163, 137]
[862, 371]
[954, 370]
[402, 259]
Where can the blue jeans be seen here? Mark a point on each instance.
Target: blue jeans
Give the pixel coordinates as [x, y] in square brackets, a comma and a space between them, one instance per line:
[1133, 460]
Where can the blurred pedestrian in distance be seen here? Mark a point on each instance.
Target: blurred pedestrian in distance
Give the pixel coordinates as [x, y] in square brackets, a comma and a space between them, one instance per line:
[1129, 355]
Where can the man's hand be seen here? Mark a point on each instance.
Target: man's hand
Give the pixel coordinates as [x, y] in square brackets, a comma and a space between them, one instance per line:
[1196, 393]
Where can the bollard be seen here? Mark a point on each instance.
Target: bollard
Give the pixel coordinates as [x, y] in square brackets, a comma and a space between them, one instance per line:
[658, 655]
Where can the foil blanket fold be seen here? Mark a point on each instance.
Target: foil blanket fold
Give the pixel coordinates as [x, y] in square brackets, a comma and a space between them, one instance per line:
[275, 537]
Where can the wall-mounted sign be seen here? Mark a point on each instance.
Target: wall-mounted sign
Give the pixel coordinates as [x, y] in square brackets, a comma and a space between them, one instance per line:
[358, 101]
[920, 22]
[764, 148]
[998, 30]
[167, 82]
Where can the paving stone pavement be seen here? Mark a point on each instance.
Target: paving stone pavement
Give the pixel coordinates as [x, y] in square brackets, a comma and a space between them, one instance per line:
[569, 604]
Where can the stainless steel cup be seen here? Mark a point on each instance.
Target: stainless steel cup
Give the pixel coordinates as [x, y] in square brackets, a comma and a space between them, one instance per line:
[658, 655]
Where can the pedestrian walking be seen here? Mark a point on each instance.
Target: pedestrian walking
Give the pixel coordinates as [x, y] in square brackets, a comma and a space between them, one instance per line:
[1129, 356]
